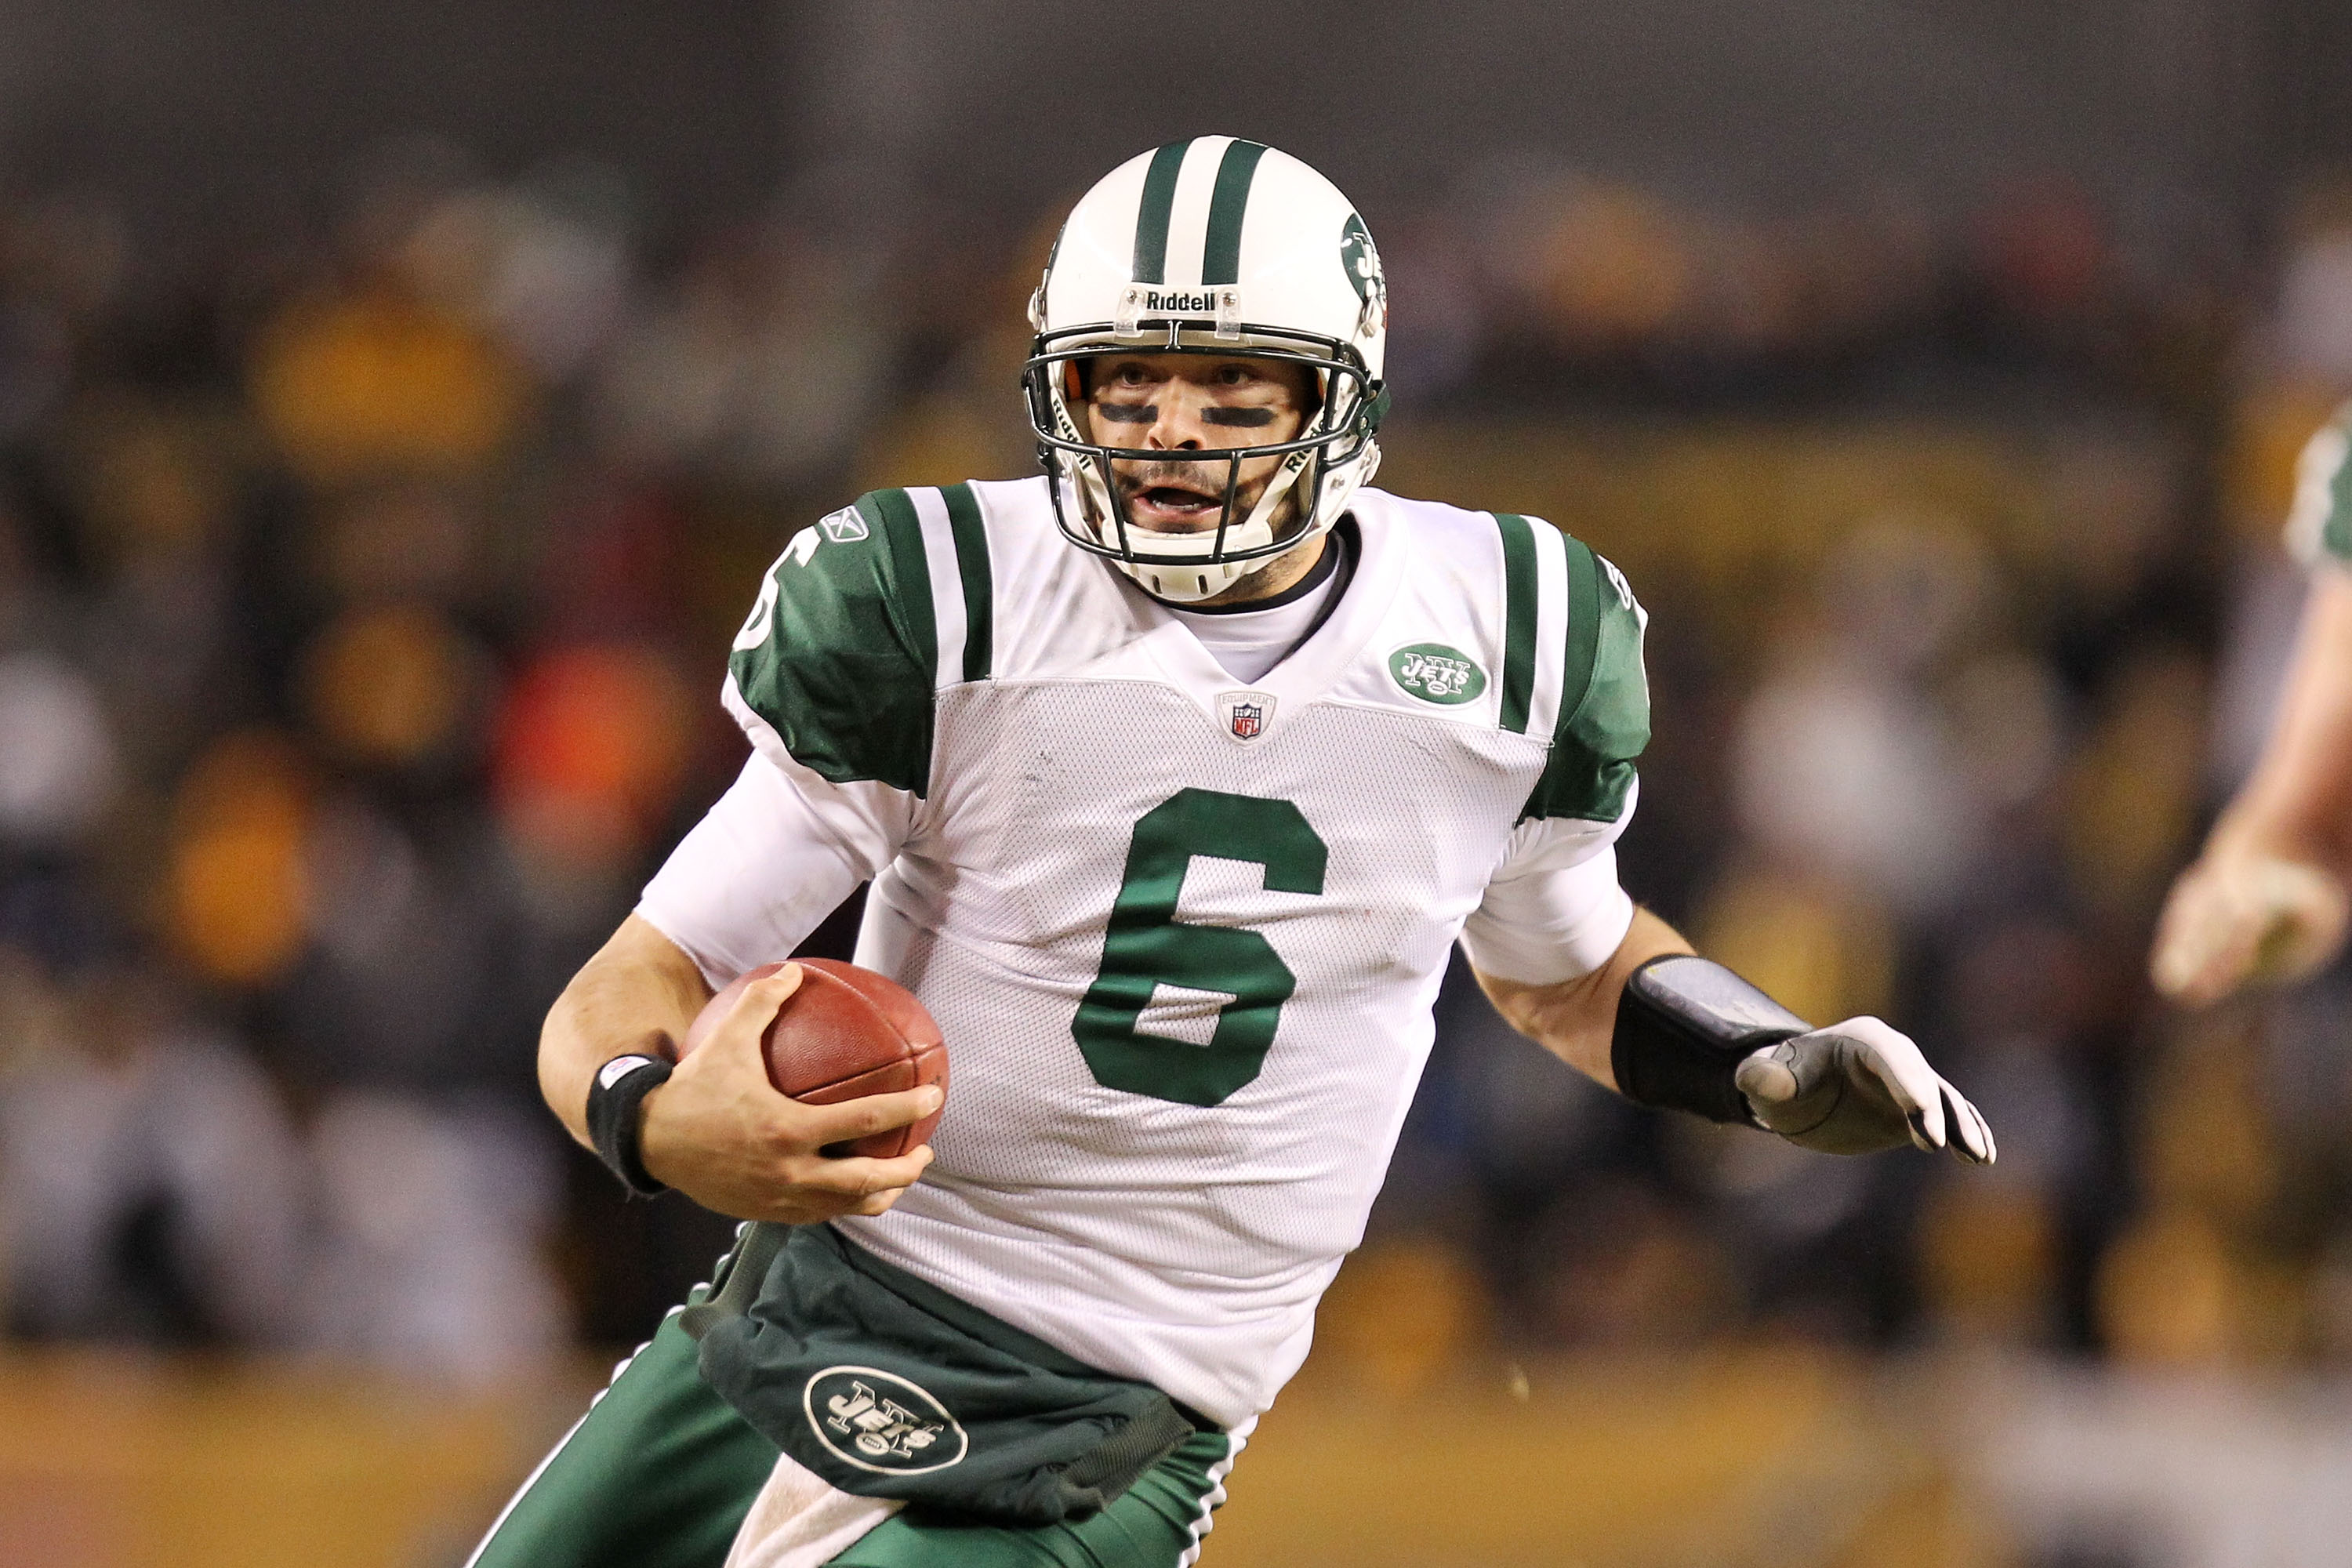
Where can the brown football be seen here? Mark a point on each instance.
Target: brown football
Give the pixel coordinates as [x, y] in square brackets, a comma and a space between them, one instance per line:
[846, 1033]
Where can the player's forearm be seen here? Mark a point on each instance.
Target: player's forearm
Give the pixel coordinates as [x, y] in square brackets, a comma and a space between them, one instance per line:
[1576, 1019]
[639, 989]
[2298, 804]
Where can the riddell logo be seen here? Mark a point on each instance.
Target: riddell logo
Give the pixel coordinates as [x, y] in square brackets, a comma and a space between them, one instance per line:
[1179, 301]
[1220, 303]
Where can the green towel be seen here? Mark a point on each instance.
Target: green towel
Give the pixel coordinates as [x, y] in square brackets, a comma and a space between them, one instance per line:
[887, 1386]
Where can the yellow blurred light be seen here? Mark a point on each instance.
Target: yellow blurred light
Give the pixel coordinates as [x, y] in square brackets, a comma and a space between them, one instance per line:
[235, 882]
[387, 685]
[1824, 951]
[380, 381]
[2168, 1294]
[1988, 1255]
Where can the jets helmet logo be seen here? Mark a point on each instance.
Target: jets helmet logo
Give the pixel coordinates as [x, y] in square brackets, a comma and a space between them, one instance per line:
[1362, 261]
[878, 1421]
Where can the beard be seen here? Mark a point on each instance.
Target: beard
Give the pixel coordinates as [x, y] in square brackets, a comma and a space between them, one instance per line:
[1185, 496]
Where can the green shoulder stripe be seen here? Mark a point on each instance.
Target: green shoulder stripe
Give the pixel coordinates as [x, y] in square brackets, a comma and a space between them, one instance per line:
[1519, 619]
[841, 655]
[979, 588]
[1604, 703]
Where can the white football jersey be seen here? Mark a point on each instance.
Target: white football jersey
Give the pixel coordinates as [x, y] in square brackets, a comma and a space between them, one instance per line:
[1181, 935]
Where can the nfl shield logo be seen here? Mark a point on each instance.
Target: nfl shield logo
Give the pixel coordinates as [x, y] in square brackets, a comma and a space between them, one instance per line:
[1245, 714]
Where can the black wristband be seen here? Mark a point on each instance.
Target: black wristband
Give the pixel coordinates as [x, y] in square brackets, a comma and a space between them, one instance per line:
[615, 1094]
[1683, 1026]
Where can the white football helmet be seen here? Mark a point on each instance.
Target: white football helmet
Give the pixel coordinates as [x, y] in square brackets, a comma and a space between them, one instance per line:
[1213, 246]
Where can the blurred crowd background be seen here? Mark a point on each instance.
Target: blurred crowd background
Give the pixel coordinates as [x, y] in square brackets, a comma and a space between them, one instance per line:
[396, 416]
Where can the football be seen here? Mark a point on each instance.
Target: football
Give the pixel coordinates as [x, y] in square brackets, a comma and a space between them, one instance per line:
[846, 1033]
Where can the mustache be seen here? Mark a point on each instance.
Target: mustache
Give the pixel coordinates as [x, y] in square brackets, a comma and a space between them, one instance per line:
[1206, 475]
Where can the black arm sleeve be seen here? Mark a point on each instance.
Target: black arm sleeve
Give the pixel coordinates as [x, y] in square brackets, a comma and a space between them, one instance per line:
[1683, 1025]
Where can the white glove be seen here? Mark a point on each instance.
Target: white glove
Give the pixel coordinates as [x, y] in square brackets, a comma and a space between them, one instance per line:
[2242, 916]
[1859, 1087]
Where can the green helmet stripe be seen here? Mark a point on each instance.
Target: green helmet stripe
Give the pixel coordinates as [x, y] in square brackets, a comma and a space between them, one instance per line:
[1152, 218]
[1519, 619]
[1220, 253]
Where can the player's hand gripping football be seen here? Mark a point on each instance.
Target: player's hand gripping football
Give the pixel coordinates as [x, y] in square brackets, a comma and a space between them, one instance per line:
[1859, 1087]
[720, 1132]
[2241, 916]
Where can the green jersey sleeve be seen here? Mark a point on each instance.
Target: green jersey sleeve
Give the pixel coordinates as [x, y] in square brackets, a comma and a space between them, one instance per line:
[840, 656]
[2319, 526]
[1604, 709]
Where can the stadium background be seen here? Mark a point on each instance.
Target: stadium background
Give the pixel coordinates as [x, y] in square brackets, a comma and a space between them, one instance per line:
[397, 404]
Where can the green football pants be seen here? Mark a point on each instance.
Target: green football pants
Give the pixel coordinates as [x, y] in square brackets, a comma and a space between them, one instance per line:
[661, 1471]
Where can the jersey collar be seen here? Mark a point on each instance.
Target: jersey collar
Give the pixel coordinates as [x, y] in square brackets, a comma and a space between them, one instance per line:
[1315, 665]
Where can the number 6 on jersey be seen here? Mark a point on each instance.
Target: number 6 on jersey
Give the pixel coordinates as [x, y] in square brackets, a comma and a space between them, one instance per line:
[1147, 947]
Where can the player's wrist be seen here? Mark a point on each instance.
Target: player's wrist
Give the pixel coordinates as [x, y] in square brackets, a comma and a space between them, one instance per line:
[1683, 1026]
[617, 1093]
[2260, 834]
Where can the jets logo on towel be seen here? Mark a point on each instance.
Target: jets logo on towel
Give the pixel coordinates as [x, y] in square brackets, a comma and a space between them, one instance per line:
[878, 1421]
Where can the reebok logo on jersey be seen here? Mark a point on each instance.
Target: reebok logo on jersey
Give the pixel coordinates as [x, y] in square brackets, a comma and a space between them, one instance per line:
[878, 1421]
[842, 527]
[1436, 673]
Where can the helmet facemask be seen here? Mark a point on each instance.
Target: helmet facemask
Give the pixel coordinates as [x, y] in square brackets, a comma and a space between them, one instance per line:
[1335, 442]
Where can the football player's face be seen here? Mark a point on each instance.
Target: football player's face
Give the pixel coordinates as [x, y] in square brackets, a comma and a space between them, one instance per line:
[1193, 403]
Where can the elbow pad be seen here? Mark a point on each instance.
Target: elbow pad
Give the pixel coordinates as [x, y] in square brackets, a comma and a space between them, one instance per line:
[1683, 1026]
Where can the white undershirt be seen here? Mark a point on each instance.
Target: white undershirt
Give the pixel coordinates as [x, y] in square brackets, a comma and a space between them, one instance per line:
[1248, 643]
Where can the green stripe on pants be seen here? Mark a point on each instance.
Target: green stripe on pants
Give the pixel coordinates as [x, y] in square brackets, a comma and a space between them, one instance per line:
[661, 1471]
[658, 1475]
[1152, 1525]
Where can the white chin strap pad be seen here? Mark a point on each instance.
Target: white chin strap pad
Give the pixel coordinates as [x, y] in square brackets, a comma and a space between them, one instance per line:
[1186, 581]
[1190, 585]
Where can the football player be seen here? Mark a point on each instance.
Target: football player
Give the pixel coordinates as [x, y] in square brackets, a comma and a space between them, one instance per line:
[1176, 773]
[2266, 902]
